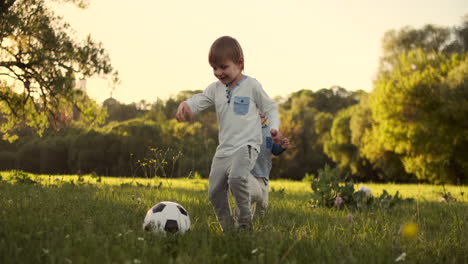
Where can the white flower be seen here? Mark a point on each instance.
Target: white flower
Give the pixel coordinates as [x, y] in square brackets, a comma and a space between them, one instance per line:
[141, 239]
[365, 190]
[401, 257]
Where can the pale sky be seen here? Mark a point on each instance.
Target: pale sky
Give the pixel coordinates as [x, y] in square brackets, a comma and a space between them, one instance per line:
[161, 47]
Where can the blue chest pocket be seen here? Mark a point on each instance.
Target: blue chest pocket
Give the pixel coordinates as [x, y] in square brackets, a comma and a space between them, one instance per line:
[269, 142]
[241, 105]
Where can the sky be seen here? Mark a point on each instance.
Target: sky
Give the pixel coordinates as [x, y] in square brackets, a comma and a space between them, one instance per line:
[161, 47]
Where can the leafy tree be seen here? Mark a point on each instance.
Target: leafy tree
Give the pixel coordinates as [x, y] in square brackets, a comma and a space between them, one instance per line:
[386, 165]
[430, 38]
[306, 118]
[39, 64]
[353, 147]
[418, 102]
[419, 108]
[340, 148]
[117, 111]
[297, 123]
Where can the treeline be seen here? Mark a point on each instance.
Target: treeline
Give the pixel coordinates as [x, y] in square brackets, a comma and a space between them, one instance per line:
[412, 127]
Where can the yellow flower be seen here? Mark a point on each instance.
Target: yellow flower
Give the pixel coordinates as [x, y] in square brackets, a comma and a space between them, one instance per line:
[410, 230]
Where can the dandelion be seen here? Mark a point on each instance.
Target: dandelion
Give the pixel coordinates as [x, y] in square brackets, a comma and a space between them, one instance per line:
[140, 239]
[255, 250]
[401, 257]
[409, 230]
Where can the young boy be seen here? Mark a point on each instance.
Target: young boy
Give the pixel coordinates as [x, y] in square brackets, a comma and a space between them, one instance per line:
[237, 99]
[259, 180]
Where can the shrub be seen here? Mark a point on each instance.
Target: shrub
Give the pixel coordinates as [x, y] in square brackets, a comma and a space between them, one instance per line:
[330, 191]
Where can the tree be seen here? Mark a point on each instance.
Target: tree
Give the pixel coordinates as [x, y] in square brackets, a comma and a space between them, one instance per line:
[39, 64]
[430, 38]
[306, 118]
[420, 109]
[420, 100]
[341, 150]
[117, 111]
[354, 148]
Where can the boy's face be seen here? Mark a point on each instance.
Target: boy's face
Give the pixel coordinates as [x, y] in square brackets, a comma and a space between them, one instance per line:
[228, 72]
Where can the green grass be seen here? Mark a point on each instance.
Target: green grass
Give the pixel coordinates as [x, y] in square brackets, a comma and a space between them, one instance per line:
[63, 219]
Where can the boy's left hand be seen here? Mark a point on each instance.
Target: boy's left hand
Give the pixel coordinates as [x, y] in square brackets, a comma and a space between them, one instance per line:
[276, 136]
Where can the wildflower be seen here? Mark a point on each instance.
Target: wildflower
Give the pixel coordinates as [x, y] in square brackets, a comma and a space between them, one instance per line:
[447, 198]
[45, 251]
[338, 201]
[350, 217]
[255, 250]
[401, 257]
[136, 261]
[410, 230]
[140, 239]
[366, 190]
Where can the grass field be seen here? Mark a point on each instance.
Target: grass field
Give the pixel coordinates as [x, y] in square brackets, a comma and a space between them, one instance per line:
[66, 219]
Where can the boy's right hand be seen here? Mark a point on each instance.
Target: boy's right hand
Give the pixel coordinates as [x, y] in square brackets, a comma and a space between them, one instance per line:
[183, 110]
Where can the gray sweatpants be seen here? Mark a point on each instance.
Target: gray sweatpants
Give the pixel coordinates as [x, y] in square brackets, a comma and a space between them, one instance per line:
[232, 173]
[258, 189]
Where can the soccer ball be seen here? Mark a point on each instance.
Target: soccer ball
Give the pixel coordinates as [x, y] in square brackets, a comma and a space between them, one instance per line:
[167, 217]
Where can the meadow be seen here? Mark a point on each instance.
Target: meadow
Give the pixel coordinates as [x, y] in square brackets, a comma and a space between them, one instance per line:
[71, 219]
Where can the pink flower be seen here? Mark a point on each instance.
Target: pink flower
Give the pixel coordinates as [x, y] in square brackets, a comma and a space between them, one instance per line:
[338, 201]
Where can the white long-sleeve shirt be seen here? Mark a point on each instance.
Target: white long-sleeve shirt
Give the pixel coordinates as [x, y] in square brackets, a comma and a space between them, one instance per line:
[238, 115]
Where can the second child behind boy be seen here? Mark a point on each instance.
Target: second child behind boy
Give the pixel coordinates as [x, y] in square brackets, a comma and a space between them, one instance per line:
[259, 180]
[237, 99]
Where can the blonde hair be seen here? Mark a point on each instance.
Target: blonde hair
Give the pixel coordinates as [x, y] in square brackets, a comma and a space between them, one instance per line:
[224, 48]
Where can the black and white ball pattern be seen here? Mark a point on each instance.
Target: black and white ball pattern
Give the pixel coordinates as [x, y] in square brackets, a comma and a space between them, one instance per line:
[167, 217]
